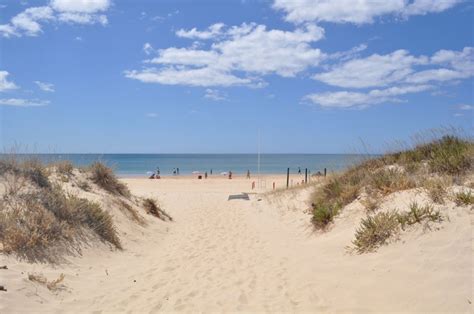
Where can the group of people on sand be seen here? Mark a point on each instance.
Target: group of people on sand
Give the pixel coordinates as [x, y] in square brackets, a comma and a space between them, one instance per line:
[157, 173]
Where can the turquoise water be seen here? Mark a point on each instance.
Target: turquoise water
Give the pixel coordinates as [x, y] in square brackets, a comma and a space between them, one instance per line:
[140, 164]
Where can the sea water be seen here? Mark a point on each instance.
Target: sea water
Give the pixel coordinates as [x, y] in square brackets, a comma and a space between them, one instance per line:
[142, 164]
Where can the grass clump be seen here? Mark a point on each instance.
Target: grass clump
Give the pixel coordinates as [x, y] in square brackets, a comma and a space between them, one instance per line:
[104, 177]
[64, 167]
[152, 208]
[464, 198]
[323, 214]
[418, 214]
[375, 230]
[436, 190]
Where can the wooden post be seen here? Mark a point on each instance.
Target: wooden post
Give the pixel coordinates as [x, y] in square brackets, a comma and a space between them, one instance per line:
[287, 177]
[273, 185]
[306, 175]
[325, 170]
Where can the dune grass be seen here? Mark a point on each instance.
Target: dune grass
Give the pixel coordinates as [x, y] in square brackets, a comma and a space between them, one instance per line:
[377, 229]
[464, 198]
[37, 215]
[448, 156]
[152, 208]
[105, 178]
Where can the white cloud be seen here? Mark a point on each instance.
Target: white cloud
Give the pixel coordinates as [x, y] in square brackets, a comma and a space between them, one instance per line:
[398, 72]
[215, 95]
[190, 76]
[148, 48]
[5, 84]
[347, 99]
[46, 87]
[29, 22]
[401, 67]
[211, 32]
[237, 57]
[20, 102]
[376, 70]
[356, 11]
[82, 6]
[466, 107]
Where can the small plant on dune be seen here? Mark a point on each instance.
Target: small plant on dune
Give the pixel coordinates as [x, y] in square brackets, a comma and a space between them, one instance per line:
[152, 208]
[64, 168]
[90, 214]
[83, 185]
[436, 189]
[375, 231]
[104, 177]
[35, 171]
[464, 198]
[371, 203]
[391, 180]
[130, 211]
[323, 214]
[418, 214]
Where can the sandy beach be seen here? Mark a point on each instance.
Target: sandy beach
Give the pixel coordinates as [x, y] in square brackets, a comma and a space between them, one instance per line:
[224, 253]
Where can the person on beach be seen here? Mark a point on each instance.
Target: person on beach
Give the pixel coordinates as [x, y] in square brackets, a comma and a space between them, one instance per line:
[157, 171]
[230, 175]
[211, 172]
[205, 175]
[174, 171]
[299, 170]
[177, 171]
[248, 174]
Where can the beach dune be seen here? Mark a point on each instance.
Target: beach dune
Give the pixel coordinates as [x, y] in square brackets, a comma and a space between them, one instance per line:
[257, 254]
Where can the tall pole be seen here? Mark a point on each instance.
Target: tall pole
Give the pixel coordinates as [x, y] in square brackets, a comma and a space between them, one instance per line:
[306, 175]
[258, 160]
[287, 177]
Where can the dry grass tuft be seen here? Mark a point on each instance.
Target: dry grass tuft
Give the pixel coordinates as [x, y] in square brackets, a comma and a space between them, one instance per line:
[64, 168]
[130, 211]
[51, 285]
[436, 189]
[152, 208]
[104, 177]
[464, 198]
[375, 231]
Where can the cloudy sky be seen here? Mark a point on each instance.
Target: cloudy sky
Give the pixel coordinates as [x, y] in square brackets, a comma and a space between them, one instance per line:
[314, 76]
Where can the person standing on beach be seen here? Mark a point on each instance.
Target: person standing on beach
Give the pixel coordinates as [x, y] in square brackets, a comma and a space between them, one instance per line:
[157, 171]
[205, 175]
[211, 172]
[299, 170]
[248, 174]
[230, 175]
[177, 171]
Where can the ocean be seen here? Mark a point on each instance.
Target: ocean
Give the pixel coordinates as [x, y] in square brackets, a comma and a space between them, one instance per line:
[126, 165]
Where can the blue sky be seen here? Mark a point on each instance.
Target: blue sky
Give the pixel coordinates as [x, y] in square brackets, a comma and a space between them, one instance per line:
[313, 76]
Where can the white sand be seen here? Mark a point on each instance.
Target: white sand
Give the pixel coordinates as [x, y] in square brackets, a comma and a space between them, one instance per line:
[254, 255]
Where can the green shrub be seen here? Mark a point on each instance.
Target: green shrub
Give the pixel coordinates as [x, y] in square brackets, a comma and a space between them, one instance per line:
[104, 177]
[375, 231]
[323, 214]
